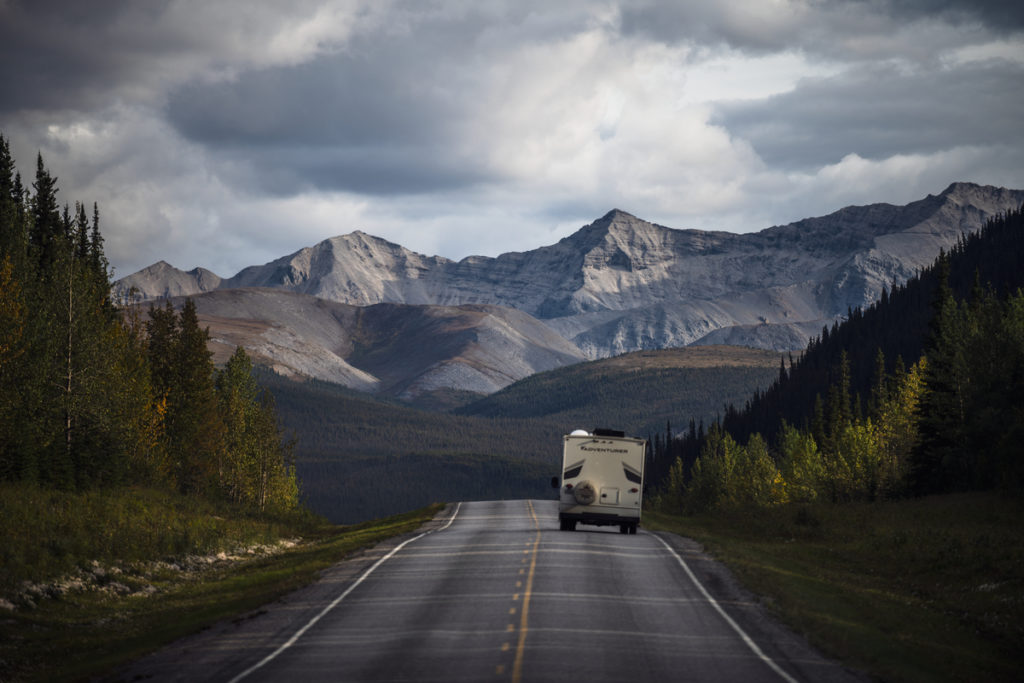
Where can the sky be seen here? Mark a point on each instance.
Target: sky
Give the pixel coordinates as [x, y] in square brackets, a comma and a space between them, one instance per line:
[228, 133]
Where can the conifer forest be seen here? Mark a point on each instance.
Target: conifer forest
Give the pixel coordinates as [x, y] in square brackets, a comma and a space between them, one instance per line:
[93, 395]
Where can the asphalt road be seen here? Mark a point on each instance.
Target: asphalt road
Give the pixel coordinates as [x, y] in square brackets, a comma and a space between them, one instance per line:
[495, 592]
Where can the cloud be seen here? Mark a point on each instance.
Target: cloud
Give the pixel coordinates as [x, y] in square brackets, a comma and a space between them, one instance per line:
[225, 134]
[833, 28]
[880, 111]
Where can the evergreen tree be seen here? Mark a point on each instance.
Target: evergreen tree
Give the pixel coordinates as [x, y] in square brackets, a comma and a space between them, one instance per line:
[1008, 465]
[47, 227]
[13, 234]
[194, 428]
[936, 465]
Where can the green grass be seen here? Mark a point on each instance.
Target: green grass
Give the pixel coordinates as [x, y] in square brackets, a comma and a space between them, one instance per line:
[46, 533]
[930, 589]
[81, 634]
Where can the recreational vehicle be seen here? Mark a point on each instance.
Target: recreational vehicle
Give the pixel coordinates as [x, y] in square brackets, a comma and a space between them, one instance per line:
[602, 480]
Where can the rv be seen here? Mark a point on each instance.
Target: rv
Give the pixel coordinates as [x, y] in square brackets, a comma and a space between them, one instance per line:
[602, 480]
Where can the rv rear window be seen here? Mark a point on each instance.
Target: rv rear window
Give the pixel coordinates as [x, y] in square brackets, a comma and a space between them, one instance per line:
[573, 472]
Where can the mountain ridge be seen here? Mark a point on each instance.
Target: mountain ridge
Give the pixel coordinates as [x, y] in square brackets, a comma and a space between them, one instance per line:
[398, 350]
[621, 284]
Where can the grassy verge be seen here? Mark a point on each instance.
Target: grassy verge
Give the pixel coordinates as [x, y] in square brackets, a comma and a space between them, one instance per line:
[930, 589]
[115, 575]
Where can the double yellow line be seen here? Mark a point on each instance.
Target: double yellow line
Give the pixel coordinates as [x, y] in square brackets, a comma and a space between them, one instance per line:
[517, 667]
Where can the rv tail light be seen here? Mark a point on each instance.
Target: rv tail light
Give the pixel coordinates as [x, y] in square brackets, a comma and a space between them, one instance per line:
[568, 487]
[634, 490]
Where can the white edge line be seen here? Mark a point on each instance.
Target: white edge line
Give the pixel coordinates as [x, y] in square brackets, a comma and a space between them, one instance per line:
[735, 627]
[334, 603]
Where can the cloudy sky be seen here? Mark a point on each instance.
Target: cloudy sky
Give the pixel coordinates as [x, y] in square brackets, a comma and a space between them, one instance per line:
[226, 133]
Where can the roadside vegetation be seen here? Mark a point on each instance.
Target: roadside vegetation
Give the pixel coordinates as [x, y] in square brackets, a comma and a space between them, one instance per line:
[144, 493]
[95, 579]
[914, 590]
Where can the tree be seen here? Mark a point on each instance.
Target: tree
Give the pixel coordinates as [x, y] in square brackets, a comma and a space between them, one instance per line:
[936, 464]
[800, 465]
[194, 428]
[257, 467]
[754, 476]
[897, 432]
[47, 226]
[13, 234]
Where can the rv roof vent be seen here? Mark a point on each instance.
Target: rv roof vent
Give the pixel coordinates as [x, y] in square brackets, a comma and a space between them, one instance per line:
[580, 432]
[608, 432]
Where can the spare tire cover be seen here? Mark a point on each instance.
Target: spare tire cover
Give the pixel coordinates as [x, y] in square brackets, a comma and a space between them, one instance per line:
[584, 493]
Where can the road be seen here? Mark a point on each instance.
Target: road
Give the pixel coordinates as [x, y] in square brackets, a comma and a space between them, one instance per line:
[495, 592]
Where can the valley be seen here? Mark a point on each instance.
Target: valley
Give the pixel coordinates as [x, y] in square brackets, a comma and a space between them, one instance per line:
[360, 457]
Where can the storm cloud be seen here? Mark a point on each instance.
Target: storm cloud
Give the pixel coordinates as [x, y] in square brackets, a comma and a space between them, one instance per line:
[224, 134]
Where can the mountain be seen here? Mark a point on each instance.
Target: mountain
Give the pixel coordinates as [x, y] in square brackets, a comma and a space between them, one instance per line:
[162, 281]
[390, 349]
[623, 284]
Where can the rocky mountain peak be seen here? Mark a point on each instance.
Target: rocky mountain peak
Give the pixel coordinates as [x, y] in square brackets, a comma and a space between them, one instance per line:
[622, 283]
[617, 215]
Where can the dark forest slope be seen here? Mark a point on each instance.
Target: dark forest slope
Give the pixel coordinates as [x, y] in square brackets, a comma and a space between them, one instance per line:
[638, 392]
[360, 458]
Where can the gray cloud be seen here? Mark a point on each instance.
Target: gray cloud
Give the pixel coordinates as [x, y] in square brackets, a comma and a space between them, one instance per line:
[59, 55]
[837, 29]
[708, 23]
[878, 112]
[997, 15]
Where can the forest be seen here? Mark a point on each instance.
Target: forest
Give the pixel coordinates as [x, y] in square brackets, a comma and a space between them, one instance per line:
[921, 393]
[93, 396]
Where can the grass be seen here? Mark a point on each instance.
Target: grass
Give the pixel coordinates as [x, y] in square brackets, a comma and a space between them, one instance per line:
[930, 589]
[148, 557]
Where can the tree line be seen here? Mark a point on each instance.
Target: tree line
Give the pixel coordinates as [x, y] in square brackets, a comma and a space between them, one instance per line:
[852, 420]
[91, 395]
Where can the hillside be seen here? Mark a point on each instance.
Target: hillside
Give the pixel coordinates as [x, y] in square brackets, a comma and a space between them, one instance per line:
[386, 349]
[642, 390]
[358, 457]
[897, 325]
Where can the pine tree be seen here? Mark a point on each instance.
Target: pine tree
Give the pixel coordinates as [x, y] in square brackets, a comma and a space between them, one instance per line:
[13, 234]
[47, 226]
[194, 427]
[936, 465]
[1007, 464]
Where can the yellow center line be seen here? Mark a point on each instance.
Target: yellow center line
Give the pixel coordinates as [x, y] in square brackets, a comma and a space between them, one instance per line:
[517, 667]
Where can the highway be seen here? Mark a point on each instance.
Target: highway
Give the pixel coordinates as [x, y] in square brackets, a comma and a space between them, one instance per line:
[495, 592]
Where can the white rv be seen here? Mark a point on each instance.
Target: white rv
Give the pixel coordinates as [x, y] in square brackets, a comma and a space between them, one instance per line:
[602, 480]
